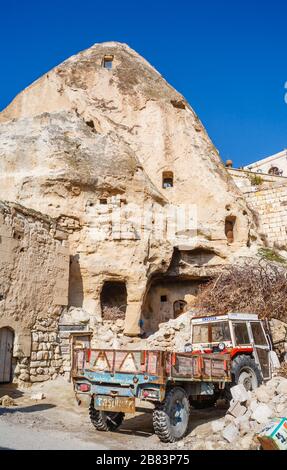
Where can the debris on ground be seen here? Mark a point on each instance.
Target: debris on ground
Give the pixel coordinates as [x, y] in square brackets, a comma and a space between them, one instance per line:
[38, 396]
[246, 418]
[171, 336]
[7, 401]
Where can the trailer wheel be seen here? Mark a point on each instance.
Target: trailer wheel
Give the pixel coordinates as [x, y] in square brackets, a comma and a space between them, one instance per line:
[245, 371]
[170, 418]
[105, 420]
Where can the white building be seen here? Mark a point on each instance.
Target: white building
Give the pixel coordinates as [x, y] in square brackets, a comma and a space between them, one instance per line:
[275, 165]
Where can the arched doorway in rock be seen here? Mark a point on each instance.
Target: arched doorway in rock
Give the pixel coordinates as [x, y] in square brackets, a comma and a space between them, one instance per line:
[179, 307]
[6, 354]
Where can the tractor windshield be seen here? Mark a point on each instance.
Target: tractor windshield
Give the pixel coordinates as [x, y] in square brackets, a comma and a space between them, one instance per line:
[216, 332]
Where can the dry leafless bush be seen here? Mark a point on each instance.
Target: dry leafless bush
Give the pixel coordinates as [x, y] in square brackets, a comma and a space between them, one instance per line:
[113, 313]
[255, 288]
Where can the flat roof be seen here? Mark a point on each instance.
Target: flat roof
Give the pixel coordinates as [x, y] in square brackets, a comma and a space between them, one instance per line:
[229, 316]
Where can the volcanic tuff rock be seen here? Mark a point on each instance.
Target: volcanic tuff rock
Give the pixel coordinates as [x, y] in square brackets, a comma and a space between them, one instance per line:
[83, 142]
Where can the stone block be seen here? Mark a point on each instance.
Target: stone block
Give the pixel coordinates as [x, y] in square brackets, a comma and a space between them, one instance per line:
[239, 393]
[25, 376]
[262, 395]
[39, 378]
[262, 413]
[35, 337]
[230, 433]
[39, 355]
[38, 396]
[236, 409]
[217, 425]
[282, 387]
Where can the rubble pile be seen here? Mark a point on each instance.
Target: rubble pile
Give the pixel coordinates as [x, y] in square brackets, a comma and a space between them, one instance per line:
[245, 418]
[171, 336]
[110, 335]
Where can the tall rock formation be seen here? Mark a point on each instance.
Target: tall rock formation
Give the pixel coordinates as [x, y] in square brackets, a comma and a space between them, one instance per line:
[97, 135]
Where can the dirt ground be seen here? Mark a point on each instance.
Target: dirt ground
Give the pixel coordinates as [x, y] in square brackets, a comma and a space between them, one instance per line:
[57, 422]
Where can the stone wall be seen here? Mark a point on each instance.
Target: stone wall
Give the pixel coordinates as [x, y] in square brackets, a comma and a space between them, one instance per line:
[271, 205]
[269, 200]
[245, 179]
[34, 275]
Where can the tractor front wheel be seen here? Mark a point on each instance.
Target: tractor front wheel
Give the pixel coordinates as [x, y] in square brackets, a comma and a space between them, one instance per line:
[245, 371]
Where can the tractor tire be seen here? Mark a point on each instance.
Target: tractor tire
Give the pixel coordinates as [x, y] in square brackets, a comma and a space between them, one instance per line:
[171, 417]
[245, 370]
[105, 420]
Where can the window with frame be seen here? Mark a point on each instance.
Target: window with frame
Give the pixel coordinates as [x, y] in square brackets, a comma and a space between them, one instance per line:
[258, 334]
[241, 333]
[167, 179]
[108, 62]
[216, 332]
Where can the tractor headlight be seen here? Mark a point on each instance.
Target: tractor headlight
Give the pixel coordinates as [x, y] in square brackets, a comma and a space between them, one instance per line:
[221, 346]
[188, 347]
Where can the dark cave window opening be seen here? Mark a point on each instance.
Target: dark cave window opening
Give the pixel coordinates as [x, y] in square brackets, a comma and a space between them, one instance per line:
[108, 62]
[114, 300]
[167, 179]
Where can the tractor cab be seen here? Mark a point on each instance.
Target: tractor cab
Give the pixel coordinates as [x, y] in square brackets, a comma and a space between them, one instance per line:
[233, 333]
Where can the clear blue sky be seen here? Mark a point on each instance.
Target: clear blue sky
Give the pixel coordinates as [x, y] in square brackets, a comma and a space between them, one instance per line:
[228, 58]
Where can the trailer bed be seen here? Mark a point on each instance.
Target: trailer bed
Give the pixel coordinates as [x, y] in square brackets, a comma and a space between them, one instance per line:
[156, 366]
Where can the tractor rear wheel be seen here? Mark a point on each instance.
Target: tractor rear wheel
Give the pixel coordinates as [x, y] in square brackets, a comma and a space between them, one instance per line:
[105, 420]
[171, 417]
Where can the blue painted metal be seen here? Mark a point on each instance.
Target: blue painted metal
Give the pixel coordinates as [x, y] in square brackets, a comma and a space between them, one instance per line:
[119, 377]
[122, 384]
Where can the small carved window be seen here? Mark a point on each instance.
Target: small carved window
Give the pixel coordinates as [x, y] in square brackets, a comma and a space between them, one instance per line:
[163, 298]
[108, 62]
[103, 201]
[167, 179]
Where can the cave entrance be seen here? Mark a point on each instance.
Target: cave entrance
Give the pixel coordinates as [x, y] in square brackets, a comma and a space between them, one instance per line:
[114, 300]
[167, 299]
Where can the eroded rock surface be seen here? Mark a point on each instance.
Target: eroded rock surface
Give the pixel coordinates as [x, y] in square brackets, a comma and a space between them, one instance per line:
[85, 142]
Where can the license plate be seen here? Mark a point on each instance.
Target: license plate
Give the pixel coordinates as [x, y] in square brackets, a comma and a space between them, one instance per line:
[123, 404]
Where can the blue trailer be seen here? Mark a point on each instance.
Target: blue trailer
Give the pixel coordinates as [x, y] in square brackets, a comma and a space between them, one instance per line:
[119, 382]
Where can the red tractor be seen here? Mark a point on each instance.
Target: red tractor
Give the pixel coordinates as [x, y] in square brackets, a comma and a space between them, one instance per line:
[244, 337]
